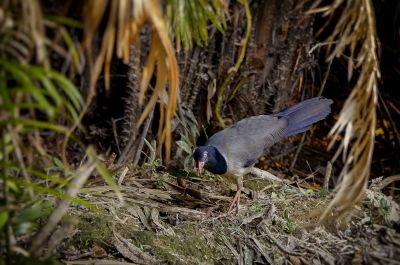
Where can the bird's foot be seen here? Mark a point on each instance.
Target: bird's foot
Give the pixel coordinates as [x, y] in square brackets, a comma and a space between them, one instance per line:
[235, 202]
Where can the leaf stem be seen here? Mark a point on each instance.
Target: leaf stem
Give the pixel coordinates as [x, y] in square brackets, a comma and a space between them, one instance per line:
[233, 70]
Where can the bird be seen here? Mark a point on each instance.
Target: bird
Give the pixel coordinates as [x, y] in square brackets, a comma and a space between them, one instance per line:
[235, 150]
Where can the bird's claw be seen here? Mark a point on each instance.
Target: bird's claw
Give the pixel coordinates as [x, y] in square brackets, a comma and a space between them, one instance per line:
[235, 202]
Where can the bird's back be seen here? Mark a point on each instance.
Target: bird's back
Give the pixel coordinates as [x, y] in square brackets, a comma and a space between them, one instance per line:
[247, 139]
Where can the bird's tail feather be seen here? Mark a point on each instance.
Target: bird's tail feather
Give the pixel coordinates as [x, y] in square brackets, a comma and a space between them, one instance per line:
[304, 114]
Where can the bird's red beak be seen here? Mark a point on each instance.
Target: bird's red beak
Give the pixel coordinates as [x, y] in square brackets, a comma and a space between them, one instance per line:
[199, 167]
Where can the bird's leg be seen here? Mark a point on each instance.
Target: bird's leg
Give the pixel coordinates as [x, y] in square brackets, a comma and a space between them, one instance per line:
[236, 198]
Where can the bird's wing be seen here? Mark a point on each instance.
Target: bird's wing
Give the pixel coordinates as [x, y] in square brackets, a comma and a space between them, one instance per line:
[247, 139]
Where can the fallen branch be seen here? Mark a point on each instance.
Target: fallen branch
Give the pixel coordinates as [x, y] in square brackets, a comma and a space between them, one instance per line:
[82, 175]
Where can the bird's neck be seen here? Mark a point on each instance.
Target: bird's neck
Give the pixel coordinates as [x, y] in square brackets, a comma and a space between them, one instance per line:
[216, 162]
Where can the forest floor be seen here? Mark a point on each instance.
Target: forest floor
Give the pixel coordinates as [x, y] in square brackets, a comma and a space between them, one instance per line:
[165, 219]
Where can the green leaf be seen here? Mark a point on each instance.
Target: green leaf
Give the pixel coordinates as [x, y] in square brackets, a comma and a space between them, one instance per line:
[186, 147]
[34, 124]
[69, 89]
[66, 21]
[72, 112]
[4, 93]
[58, 163]
[32, 212]
[103, 171]
[3, 218]
[9, 147]
[190, 19]
[73, 51]
[56, 193]
[24, 228]
[41, 74]
[20, 75]
[13, 186]
[48, 177]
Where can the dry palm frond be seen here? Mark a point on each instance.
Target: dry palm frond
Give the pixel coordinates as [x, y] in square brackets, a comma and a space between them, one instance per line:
[355, 32]
[22, 33]
[125, 19]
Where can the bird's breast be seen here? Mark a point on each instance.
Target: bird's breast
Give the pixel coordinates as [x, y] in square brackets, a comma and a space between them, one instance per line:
[235, 168]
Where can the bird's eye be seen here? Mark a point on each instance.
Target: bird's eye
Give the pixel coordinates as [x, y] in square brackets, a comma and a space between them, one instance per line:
[205, 154]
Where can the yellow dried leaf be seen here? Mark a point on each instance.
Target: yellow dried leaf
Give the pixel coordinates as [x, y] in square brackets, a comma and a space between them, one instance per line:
[379, 131]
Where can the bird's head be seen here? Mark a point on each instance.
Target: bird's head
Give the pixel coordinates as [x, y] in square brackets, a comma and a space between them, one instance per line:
[201, 155]
[208, 157]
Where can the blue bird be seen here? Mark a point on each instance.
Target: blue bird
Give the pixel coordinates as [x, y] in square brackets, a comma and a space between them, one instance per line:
[234, 151]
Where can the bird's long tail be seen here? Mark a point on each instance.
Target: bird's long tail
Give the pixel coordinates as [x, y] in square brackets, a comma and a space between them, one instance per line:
[304, 114]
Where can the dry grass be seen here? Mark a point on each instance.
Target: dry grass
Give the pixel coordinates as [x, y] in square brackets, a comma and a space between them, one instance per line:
[162, 223]
[354, 36]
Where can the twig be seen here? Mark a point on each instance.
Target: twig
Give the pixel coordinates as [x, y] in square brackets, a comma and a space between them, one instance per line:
[325, 78]
[82, 175]
[303, 138]
[264, 174]
[188, 213]
[122, 176]
[327, 257]
[385, 259]
[241, 254]
[142, 137]
[66, 230]
[132, 252]
[78, 256]
[97, 262]
[261, 249]
[231, 248]
[320, 44]
[114, 129]
[388, 180]
[279, 245]
[20, 158]
[201, 195]
[127, 149]
[328, 174]
[7, 226]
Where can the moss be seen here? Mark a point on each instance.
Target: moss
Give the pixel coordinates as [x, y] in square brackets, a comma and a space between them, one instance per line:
[256, 184]
[188, 244]
[94, 228]
[141, 238]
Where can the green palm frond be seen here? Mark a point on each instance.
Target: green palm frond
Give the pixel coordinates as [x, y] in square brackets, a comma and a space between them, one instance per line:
[42, 89]
[190, 19]
[37, 101]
